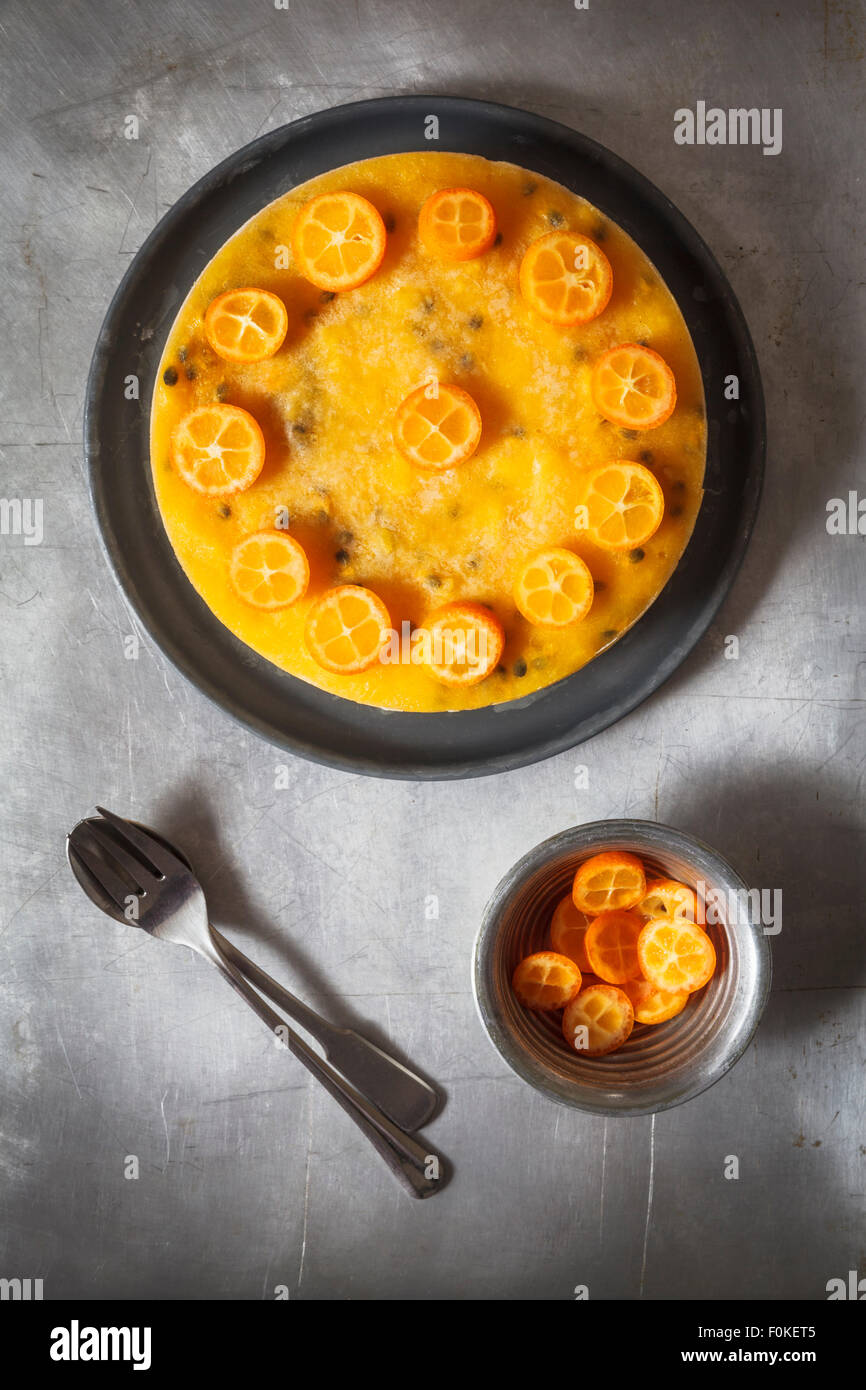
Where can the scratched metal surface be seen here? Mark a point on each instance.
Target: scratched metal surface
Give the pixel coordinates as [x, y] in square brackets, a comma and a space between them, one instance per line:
[113, 1046]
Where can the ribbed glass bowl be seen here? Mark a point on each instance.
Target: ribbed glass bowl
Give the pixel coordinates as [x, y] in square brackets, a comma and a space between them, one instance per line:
[661, 1065]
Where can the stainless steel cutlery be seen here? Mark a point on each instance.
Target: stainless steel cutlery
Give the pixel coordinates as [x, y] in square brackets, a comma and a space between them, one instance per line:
[138, 877]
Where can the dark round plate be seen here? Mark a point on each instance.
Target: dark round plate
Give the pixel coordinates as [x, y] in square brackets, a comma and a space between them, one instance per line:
[285, 710]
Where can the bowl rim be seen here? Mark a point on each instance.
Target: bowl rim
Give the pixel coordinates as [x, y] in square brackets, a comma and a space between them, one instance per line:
[646, 836]
[289, 712]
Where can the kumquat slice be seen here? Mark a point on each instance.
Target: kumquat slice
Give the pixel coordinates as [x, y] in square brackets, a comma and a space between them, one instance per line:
[568, 931]
[218, 449]
[546, 981]
[609, 882]
[665, 897]
[654, 1005]
[461, 643]
[676, 955]
[347, 628]
[633, 387]
[598, 1021]
[457, 224]
[246, 325]
[624, 505]
[438, 429]
[565, 278]
[338, 240]
[611, 946]
[554, 588]
[269, 569]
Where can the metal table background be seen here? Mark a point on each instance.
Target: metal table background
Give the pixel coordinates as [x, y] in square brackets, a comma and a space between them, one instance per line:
[113, 1045]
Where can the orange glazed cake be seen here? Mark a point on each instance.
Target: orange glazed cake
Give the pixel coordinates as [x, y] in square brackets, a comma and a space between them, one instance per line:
[429, 432]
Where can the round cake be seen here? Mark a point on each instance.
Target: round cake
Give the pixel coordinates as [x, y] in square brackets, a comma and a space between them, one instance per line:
[429, 432]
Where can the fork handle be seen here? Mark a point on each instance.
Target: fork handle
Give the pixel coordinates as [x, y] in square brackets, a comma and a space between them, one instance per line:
[399, 1093]
[420, 1171]
[319, 1027]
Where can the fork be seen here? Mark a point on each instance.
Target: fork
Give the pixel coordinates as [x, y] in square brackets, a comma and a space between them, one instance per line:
[404, 1096]
[151, 886]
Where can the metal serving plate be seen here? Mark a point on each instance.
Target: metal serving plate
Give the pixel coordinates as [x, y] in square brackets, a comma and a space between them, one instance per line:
[288, 711]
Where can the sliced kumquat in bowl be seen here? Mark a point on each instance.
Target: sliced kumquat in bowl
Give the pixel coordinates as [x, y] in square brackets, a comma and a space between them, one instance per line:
[654, 1005]
[437, 427]
[598, 1021]
[633, 387]
[554, 588]
[218, 449]
[246, 325]
[633, 970]
[611, 946]
[338, 240]
[269, 569]
[666, 897]
[609, 882]
[589, 979]
[461, 643]
[457, 224]
[565, 278]
[624, 505]
[568, 932]
[676, 955]
[347, 628]
[546, 981]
